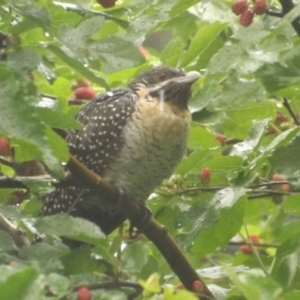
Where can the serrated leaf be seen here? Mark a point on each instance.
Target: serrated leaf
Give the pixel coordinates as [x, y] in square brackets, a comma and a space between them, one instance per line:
[70, 227]
[116, 52]
[224, 59]
[235, 93]
[77, 37]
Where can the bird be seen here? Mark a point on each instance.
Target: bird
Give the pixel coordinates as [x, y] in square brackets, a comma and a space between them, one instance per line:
[133, 137]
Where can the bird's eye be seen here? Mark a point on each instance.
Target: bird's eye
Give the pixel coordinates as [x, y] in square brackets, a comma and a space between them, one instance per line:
[162, 75]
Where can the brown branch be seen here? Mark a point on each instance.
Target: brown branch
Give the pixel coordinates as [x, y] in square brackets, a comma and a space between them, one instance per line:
[262, 245]
[153, 230]
[287, 6]
[16, 183]
[272, 13]
[17, 234]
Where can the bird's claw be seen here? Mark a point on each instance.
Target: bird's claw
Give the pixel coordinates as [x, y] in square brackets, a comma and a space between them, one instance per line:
[137, 229]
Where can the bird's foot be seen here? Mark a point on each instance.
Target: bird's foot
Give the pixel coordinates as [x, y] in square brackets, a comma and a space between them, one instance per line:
[138, 227]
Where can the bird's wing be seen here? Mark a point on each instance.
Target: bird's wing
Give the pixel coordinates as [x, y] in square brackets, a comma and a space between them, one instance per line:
[103, 119]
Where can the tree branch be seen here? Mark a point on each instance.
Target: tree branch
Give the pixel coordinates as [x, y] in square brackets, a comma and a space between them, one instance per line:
[287, 6]
[17, 234]
[153, 230]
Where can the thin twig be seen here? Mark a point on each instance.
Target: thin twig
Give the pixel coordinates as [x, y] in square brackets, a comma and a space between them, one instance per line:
[262, 245]
[289, 109]
[255, 252]
[287, 6]
[16, 233]
[274, 13]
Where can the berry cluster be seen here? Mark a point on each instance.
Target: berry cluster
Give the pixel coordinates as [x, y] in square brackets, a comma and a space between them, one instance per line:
[242, 8]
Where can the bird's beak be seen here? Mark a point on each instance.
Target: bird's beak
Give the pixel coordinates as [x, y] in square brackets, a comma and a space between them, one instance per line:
[189, 77]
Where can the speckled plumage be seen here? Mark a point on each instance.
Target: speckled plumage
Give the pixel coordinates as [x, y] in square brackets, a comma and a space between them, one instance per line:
[132, 137]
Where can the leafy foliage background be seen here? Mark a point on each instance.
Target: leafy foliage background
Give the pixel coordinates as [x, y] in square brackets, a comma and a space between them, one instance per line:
[246, 72]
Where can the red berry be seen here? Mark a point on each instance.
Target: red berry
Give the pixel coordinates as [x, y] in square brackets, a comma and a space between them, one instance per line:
[277, 177]
[271, 131]
[4, 146]
[221, 138]
[281, 118]
[254, 238]
[246, 249]
[30, 75]
[180, 286]
[260, 7]
[205, 175]
[246, 17]
[84, 93]
[285, 187]
[239, 6]
[107, 3]
[198, 286]
[84, 294]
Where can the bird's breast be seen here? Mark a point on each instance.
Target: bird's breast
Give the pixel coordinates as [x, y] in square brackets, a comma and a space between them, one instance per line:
[155, 139]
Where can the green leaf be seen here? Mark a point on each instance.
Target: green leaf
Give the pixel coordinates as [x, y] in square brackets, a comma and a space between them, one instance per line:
[256, 133]
[36, 14]
[235, 93]
[6, 242]
[24, 59]
[70, 227]
[58, 284]
[58, 119]
[172, 51]
[117, 53]
[15, 283]
[135, 256]
[14, 102]
[224, 59]
[47, 256]
[181, 6]
[201, 137]
[280, 140]
[202, 41]
[76, 65]
[253, 284]
[285, 265]
[219, 218]
[285, 159]
[76, 38]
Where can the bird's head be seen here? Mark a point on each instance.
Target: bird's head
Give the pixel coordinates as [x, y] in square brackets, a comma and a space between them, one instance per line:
[167, 84]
